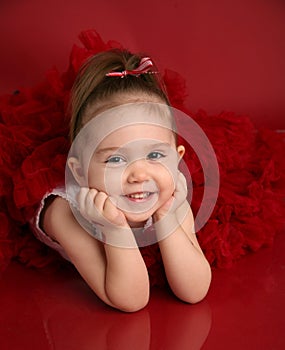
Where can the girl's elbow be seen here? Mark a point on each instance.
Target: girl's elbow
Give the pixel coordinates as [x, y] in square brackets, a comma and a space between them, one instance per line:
[132, 305]
[195, 294]
[129, 303]
[192, 297]
[195, 299]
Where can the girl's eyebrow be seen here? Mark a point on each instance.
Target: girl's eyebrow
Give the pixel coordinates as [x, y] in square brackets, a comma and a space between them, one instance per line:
[161, 144]
[107, 149]
[115, 148]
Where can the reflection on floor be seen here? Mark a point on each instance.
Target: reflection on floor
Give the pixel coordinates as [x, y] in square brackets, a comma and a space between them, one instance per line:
[243, 310]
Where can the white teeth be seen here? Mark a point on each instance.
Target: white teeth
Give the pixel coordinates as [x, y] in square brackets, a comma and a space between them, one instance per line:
[139, 195]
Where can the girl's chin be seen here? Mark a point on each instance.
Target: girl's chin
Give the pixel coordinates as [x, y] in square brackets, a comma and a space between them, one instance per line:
[137, 220]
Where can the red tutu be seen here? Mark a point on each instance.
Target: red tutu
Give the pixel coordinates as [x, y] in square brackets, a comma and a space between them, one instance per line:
[34, 144]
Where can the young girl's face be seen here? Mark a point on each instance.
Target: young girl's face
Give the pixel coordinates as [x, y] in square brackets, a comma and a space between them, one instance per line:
[136, 166]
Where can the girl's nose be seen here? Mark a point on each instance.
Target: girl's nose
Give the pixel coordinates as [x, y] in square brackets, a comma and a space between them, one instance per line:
[138, 172]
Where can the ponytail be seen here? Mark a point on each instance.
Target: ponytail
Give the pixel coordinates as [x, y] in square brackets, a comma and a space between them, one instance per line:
[93, 85]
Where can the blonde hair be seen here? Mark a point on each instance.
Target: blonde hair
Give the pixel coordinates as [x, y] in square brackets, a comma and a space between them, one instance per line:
[93, 86]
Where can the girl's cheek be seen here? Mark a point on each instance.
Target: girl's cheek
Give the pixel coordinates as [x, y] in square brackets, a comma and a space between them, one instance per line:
[113, 180]
[168, 175]
[96, 180]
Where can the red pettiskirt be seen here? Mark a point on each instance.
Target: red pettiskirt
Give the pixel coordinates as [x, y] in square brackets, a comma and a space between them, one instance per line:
[34, 143]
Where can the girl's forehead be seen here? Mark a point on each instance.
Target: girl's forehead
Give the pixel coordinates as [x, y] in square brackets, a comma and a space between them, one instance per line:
[126, 122]
[137, 132]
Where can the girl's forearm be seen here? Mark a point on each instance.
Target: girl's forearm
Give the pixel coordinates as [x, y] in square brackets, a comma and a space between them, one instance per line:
[187, 270]
[126, 282]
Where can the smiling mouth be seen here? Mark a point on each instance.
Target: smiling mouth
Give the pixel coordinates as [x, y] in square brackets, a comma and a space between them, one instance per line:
[139, 196]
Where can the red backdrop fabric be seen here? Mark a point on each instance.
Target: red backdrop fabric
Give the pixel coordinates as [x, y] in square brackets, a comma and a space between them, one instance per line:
[231, 53]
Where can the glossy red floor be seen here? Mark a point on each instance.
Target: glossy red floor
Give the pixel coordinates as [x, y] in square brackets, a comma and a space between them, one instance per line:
[245, 309]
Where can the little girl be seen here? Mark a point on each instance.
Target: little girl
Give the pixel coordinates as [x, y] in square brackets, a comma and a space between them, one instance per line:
[123, 181]
[131, 181]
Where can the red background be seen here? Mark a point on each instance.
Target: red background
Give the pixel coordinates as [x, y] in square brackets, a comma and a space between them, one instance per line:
[231, 52]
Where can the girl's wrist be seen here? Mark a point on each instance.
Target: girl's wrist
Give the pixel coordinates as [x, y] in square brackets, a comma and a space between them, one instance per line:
[119, 236]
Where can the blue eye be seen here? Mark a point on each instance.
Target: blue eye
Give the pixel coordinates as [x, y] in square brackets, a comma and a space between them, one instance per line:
[115, 160]
[155, 155]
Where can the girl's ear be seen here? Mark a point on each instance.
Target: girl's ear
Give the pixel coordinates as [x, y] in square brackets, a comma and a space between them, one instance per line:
[76, 169]
[180, 151]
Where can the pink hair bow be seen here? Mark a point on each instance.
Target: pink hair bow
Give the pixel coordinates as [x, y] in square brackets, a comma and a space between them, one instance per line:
[144, 67]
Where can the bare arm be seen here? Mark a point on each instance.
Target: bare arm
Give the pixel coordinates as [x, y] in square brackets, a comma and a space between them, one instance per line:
[118, 276]
[187, 270]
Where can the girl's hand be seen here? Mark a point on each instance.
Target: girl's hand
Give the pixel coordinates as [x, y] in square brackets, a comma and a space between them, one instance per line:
[97, 208]
[172, 214]
[175, 201]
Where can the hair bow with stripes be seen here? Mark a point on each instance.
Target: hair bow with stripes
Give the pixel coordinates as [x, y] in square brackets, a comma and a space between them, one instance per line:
[143, 67]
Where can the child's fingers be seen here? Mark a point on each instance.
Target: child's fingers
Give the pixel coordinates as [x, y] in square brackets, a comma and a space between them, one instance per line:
[113, 213]
[81, 197]
[103, 208]
[181, 185]
[110, 211]
[85, 201]
[169, 204]
[180, 192]
[99, 201]
[97, 207]
[90, 202]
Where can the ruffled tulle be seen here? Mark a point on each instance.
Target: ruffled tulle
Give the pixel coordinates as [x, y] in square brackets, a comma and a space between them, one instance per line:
[34, 143]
